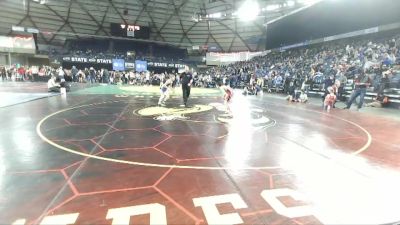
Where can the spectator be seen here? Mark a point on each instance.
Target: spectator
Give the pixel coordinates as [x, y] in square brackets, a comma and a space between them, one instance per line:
[74, 74]
[92, 75]
[61, 73]
[379, 102]
[341, 79]
[361, 84]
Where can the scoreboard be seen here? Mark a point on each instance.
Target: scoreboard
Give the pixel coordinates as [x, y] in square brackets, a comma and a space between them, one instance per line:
[130, 31]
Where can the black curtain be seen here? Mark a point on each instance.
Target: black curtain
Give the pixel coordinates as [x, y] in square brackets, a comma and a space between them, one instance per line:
[329, 18]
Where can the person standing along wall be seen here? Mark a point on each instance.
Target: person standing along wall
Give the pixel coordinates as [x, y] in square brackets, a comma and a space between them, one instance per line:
[92, 75]
[74, 73]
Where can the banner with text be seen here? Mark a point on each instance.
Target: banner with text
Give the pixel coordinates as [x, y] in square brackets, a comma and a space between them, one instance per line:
[127, 66]
[118, 64]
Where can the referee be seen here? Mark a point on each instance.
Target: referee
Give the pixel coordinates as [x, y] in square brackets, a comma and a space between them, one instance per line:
[186, 81]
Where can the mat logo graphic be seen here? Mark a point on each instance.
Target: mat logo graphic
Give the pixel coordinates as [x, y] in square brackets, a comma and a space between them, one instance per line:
[121, 96]
[158, 212]
[254, 116]
[171, 117]
[164, 113]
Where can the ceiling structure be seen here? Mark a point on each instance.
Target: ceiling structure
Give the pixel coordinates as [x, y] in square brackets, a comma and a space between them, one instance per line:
[185, 23]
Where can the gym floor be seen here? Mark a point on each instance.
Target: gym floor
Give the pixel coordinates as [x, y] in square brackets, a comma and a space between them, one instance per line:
[109, 155]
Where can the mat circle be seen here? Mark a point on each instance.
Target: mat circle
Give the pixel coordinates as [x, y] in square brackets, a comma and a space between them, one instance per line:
[44, 138]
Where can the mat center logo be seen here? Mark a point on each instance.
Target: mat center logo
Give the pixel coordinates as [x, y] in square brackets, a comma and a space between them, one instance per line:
[253, 115]
[174, 113]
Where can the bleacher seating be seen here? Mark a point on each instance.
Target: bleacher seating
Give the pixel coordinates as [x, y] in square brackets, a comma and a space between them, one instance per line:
[375, 55]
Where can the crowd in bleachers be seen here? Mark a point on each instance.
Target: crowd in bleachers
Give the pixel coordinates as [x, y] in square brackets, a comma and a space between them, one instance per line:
[86, 75]
[91, 75]
[294, 71]
[315, 67]
[94, 48]
[25, 73]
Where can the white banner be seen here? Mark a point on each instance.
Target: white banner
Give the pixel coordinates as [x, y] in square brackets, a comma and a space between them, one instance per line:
[352, 34]
[216, 58]
[17, 44]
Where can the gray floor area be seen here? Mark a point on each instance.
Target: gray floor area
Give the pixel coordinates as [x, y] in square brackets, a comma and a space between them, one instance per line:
[9, 99]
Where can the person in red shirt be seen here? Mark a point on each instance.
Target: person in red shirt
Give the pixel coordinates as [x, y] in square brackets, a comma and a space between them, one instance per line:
[21, 73]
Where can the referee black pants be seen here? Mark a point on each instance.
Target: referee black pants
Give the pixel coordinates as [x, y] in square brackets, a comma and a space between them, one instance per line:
[185, 92]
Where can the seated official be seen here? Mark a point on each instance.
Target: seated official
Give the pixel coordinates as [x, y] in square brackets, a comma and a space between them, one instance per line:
[52, 85]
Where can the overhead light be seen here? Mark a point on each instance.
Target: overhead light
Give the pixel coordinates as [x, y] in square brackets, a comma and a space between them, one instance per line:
[212, 16]
[18, 28]
[216, 15]
[32, 30]
[272, 7]
[249, 10]
[308, 2]
[290, 3]
[40, 1]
